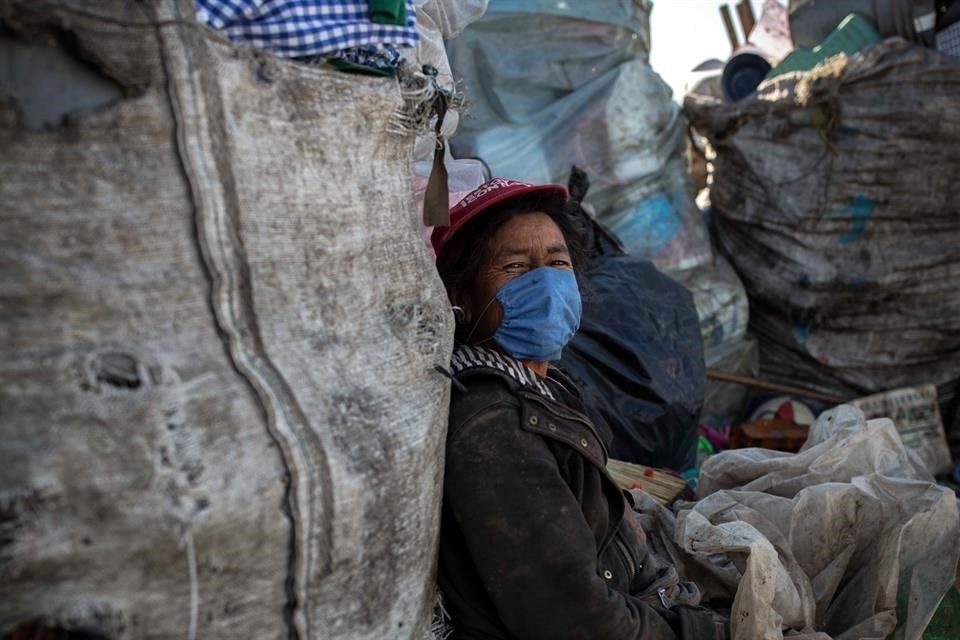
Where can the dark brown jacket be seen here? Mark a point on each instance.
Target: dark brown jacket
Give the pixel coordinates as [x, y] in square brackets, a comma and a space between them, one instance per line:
[534, 540]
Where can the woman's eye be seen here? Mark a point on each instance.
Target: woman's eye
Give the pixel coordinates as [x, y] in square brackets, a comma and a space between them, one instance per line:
[564, 264]
[515, 265]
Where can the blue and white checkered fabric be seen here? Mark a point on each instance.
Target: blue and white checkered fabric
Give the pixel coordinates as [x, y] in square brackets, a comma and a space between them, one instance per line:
[299, 28]
[948, 40]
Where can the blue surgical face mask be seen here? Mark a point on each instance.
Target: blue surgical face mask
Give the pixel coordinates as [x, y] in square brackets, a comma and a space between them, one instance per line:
[541, 313]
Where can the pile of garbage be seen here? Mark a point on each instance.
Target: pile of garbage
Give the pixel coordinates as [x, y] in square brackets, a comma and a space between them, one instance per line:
[833, 203]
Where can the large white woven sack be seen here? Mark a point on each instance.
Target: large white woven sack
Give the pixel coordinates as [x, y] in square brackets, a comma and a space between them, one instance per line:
[218, 411]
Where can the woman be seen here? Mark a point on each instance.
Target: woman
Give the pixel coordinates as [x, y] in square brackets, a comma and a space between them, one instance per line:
[537, 541]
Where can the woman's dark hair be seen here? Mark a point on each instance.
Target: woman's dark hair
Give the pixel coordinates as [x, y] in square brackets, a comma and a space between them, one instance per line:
[460, 261]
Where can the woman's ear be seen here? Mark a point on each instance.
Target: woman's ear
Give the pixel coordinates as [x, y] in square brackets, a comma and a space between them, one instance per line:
[461, 306]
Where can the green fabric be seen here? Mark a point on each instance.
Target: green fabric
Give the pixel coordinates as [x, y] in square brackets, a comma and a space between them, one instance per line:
[349, 67]
[705, 446]
[946, 621]
[388, 11]
[853, 34]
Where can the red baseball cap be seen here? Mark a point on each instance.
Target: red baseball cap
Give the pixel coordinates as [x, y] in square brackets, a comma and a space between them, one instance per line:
[490, 193]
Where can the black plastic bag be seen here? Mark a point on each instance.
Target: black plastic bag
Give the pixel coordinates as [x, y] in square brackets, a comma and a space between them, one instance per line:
[638, 359]
[596, 238]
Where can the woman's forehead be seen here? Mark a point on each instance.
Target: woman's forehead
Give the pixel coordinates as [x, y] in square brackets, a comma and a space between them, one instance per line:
[528, 232]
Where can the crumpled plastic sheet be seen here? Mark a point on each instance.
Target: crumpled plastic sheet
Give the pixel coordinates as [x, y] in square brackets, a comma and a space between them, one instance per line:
[847, 539]
[437, 21]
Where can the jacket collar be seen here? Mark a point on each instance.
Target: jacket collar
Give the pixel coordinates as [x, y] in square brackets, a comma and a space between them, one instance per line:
[467, 358]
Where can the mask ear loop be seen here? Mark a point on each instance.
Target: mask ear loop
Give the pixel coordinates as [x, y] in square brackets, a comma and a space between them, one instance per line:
[477, 323]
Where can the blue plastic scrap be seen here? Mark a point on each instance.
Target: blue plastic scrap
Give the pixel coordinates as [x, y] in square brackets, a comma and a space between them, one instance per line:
[859, 211]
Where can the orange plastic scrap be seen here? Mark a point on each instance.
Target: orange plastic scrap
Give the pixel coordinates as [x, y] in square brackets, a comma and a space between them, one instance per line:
[779, 435]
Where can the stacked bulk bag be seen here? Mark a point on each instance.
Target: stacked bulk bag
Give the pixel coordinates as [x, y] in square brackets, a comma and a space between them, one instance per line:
[836, 198]
[552, 85]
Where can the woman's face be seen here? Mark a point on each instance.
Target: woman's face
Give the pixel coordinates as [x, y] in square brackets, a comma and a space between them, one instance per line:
[525, 242]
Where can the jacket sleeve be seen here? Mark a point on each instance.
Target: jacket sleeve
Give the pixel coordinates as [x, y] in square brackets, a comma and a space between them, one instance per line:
[534, 550]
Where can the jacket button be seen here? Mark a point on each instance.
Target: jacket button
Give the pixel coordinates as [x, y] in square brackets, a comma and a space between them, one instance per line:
[534, 420]
[552, 427]
[583, 442]
[608, 574]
